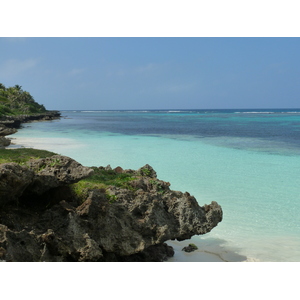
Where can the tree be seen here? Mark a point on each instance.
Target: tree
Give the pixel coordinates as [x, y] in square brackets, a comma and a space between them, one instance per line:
[18, 88]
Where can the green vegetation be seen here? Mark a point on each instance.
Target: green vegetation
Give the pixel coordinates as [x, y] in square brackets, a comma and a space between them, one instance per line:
[22, 155]
[145, 172]
[111, 198]
[15, 101]
[101, 180]
[54, 162]
[157, 184]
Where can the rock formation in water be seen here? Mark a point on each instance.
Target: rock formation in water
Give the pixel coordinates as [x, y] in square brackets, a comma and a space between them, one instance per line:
[42, 217]
[4, 131]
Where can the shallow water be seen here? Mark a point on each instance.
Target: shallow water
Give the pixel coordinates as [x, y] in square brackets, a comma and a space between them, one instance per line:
[247, 161]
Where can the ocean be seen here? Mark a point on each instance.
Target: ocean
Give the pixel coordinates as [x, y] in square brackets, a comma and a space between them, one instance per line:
[246, 160]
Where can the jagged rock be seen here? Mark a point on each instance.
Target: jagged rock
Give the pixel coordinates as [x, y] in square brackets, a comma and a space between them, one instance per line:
[155, 253]
[6, 130]
[14, 179]
[16, 121]
[129, 225]
[19, 245]
[163, 214]
[8, 124]
[39, 176]
[4, 142]
[190, 248]
[118, 170]
[146, 171]
[55, 171]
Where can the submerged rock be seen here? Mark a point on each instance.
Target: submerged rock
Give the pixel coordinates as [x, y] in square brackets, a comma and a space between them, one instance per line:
[112, 224]
[190, 248]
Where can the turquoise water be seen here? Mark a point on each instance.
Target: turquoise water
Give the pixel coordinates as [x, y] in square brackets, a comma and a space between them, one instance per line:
[247, 161]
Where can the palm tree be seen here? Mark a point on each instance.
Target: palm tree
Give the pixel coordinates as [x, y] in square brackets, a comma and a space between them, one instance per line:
[18, 87]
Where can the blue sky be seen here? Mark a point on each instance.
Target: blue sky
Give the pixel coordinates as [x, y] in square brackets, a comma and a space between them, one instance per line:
[154, 73]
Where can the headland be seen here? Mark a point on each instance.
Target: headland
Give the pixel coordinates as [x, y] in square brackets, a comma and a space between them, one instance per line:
[55, 209]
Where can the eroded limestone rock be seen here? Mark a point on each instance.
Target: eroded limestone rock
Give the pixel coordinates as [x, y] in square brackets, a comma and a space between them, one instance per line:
[115, 224]
[4, 142]
[14, 179]
[4, 130]
[54, 171]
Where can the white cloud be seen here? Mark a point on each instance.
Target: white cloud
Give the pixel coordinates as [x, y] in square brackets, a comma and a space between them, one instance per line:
[14, 67]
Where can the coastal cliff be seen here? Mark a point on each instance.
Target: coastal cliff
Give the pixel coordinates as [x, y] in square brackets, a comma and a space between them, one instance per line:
[55, 209]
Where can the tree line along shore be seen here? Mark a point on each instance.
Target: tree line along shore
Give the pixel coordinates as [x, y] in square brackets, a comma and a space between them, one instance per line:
[16, 107]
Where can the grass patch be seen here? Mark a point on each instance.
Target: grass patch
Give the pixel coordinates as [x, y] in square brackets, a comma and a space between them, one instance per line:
[22, 155]
[157, 185]
[101, 180]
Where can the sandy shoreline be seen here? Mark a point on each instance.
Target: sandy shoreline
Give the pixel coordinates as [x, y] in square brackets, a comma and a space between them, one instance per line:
[50, 144]
[209, 250]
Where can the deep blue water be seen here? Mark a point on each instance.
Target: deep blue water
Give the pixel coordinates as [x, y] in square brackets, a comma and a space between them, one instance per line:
[278, 128]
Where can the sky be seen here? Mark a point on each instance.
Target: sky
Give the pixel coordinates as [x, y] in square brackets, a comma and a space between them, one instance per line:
[154, 73]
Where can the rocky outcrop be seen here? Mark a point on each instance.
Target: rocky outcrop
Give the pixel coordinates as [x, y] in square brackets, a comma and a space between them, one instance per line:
[14, 179]
[38, 176]
[6, 130]
[190, 248]
[4, 142]
[17, 120]
[9, 124]
[111, 224]
[55, 171]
